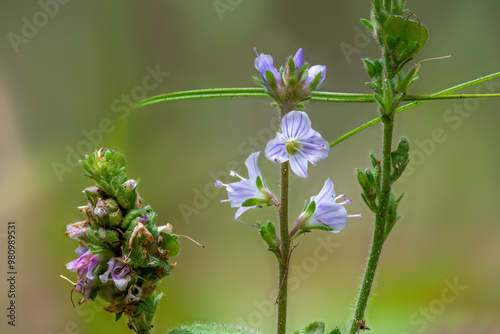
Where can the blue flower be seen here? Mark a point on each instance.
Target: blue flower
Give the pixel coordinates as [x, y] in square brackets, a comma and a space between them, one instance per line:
[311, 75]
[248, 189]
[264, 63]
[323, 211]
[297, 142]
[312, 72]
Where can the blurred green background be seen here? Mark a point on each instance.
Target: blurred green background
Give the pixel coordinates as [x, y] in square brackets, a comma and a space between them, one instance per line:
[76, 69]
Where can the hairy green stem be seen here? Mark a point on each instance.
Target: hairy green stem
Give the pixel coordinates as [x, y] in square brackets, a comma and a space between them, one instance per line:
[285, 250]
[378, 232]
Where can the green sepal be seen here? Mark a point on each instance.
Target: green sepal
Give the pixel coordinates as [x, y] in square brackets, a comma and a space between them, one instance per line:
[291, 67]
[319, 227]
[302, 70]
[310, 209]
[259, 81]
[254, 202]
[271, 79]
[260, 185]
[315, 81]
[368, 24]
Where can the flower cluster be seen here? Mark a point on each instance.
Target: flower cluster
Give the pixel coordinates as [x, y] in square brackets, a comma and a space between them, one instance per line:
[123, 255]
[296, 143]
[291, 84]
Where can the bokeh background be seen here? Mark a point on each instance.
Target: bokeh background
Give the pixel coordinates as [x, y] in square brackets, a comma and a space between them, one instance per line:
[75, 69]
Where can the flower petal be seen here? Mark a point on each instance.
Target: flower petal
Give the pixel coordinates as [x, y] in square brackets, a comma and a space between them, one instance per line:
[105, 277]
[264, 63]
[298, 165]
[242, 209]
[313, 71]
[298, 60]
[276, 148]
[239, 192]
[326, 193]
[252, 164]
[294, 124]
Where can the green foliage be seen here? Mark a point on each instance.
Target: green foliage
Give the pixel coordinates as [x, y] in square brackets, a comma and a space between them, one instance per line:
[403, 38]
[211, 328]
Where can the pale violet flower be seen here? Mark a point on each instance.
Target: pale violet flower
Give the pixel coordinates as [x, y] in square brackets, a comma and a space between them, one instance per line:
[246, 189]
[264, 63]
[297, 142]
[323, 211]
[312, 72]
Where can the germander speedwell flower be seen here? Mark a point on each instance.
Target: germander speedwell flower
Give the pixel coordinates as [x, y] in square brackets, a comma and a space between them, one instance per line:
[297, 142]
[292, 83]
[323, 211]
[248, 193]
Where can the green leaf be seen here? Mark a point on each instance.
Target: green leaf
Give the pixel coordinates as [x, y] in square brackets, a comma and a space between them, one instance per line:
[317, 327]
[145, 306]
[368, 24]
[370, 68]
[254, 202]
[170, 243]
[336, 331]
[404, 38]
[118, 316]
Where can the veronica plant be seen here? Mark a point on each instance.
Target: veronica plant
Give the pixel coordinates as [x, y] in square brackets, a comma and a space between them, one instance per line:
[123, 255]
[400, 37]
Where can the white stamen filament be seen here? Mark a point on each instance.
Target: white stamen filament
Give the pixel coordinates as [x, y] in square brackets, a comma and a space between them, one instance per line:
[67, 279]
[234, 174]
[351, 216]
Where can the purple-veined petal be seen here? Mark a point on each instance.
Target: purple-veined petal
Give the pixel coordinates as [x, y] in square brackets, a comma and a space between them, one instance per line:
[328, 212]
[313, 71]
[276, 148]
[239, 192]
[298, 60]
[294, 124]
[298, 165]
[328, 191]
[264, 63]
[252, 164]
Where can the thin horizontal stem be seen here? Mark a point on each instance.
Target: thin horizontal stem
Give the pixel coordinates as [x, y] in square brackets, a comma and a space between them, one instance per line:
[316, 96]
